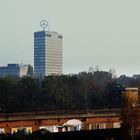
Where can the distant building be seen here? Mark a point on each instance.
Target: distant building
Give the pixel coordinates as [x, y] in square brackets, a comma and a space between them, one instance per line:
[136, 76]
[14, 70]
[48, 58]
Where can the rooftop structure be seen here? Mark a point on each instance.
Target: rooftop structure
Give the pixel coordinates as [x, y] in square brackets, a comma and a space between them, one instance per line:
[48, 59]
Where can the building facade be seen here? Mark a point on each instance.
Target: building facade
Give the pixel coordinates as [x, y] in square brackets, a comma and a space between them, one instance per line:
[14, 70]
[48, 58]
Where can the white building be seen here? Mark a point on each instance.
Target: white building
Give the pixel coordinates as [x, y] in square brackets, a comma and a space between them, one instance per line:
[48, 54]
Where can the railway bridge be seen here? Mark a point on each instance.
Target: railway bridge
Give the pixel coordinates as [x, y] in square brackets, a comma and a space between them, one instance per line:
[54, 120]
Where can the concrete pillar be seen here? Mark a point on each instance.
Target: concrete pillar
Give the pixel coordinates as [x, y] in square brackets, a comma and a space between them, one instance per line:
[90, 126]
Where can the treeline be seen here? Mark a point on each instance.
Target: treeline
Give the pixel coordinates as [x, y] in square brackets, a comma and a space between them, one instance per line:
[81, 91]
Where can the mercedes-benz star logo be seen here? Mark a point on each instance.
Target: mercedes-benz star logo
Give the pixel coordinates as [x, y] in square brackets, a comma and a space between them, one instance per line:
[44, 24]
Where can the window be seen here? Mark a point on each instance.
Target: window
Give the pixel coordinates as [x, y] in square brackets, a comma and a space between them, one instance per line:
[48, 35]
[59, 36]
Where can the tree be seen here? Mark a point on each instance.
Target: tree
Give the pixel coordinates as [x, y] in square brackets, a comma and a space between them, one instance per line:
[129, 112]
[30, 72]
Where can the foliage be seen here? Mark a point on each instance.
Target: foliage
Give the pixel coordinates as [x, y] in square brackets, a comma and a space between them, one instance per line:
[81, 91]
[129, 113]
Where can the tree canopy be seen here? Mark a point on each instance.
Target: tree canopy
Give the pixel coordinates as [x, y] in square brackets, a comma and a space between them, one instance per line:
[66, 92]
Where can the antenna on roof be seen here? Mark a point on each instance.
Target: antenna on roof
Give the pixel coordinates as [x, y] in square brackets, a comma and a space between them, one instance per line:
[44, 24]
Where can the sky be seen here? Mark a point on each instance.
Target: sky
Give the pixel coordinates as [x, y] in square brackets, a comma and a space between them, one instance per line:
[103, 33]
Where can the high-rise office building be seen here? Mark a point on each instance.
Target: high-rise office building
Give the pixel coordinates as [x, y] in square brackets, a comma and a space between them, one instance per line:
[48, 58]
[14, 70]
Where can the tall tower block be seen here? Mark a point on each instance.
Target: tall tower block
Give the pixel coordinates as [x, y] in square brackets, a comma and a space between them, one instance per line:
[48, 53]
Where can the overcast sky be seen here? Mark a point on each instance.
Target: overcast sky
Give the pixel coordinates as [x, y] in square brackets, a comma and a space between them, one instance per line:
[95, 32]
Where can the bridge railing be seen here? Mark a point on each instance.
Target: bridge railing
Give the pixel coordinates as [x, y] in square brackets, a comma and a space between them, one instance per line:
[64, 112]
